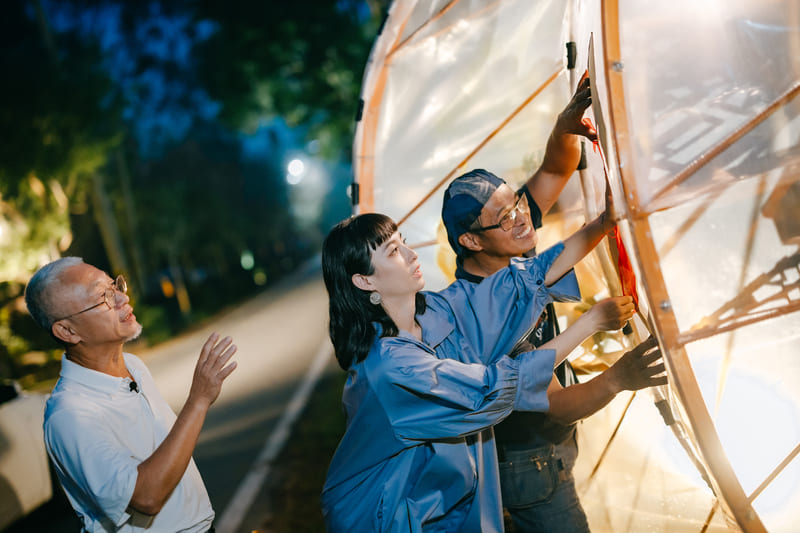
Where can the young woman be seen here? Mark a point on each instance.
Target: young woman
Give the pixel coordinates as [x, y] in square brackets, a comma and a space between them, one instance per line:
[418, 452]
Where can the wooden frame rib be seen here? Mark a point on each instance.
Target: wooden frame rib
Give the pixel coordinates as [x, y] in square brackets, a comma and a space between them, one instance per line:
[481, 144]
[704, 158]
[681, 375]
[778, 469]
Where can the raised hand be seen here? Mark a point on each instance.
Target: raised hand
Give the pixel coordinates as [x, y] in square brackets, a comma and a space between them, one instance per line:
[211, 371]
[570, 120]
[639, 368]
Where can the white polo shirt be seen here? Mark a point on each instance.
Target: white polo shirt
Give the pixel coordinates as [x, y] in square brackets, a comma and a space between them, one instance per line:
[97, 431]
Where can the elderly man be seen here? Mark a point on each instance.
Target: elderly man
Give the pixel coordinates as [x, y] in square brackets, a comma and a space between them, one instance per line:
[488, 224]
[122, 456]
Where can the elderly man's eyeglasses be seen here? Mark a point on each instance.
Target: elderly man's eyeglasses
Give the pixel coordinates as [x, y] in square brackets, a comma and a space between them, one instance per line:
[508, 220]
[109, 297]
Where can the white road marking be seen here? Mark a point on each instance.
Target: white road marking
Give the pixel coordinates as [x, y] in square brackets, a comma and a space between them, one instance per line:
[248, 489]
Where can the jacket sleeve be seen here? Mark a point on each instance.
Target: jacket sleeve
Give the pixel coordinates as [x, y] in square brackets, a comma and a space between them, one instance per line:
[494, 314]
[427, 398]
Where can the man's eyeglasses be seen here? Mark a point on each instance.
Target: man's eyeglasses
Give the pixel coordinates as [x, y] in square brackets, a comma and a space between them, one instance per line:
[109, 297]
[507, 222]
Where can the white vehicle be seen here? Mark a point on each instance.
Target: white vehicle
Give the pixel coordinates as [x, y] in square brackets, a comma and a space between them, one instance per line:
[25, 481]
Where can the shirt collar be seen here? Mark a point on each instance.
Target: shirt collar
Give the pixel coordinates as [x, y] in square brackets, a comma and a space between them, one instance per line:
[93, 379]
[461, 273]
[436, 326]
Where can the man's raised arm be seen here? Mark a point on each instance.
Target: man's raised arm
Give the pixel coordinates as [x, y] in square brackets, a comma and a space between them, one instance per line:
[563, 151]
[160, 473]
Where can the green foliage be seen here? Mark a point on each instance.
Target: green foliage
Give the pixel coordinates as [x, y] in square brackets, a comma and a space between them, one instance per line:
[155, 322]
[58, 129]
[57, 120]
[25, 349]
[33, 225]
[301, 59]
[186, 201]
[58, 126]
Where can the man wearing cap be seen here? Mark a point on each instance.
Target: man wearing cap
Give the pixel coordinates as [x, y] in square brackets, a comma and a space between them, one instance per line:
[122, 456]
[488, 224]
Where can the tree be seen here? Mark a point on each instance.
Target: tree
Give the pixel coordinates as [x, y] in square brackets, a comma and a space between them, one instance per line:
[301, 60]
[58, 126]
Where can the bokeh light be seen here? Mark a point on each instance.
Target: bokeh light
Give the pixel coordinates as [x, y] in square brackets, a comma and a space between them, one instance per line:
[247, 261]
[295, 168]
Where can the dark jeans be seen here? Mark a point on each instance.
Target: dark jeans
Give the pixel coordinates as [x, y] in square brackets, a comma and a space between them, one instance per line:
[539, 491]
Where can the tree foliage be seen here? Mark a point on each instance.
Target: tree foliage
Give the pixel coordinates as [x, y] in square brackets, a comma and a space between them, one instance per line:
[124, 131]
[301, 59]
[58, 125]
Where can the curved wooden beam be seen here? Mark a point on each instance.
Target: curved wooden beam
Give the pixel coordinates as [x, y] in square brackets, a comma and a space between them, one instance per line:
[679, 368]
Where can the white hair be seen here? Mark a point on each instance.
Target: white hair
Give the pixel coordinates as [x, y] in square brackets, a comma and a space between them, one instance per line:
[36, 292]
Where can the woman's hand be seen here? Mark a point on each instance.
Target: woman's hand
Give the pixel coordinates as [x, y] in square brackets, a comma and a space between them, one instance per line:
[611, 313]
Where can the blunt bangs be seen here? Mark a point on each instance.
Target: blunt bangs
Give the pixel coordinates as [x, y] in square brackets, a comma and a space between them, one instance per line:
[374, 228]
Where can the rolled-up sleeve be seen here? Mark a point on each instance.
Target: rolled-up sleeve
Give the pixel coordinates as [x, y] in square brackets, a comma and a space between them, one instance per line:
[493, 315]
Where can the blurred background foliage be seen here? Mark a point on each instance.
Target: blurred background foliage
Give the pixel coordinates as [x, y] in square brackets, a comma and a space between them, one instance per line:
[152, 139]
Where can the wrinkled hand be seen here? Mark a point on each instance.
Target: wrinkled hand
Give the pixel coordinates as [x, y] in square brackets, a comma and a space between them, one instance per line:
[570, 120]
[612, 313]
[211, 371]
[636, 369]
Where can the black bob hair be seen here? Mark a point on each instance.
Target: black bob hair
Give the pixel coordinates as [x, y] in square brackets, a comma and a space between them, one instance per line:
[347, 250]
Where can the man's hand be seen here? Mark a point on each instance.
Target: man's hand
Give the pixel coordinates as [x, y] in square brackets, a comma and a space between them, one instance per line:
[570, 120]
[636, 369]
[563, 151]
[211, 371]
[611, 313]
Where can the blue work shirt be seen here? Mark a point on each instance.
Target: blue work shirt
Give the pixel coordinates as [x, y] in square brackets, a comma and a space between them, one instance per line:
[418, 451]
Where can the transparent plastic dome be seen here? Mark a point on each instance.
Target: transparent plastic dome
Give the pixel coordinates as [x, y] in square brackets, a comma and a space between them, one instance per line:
[697, 109]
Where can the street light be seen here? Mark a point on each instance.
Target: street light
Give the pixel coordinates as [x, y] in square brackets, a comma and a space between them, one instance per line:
[295, 168]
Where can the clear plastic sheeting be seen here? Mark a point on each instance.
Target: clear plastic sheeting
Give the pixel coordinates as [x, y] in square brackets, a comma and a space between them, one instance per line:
[644, 480]
[718, 67]
[697, 108]
[442, 77]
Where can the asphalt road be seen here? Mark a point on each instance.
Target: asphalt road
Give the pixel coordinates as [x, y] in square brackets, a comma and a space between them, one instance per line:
[278, 334]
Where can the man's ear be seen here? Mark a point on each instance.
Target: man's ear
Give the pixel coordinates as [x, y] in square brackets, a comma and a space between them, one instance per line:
[362, 282]
[470, 241]
[64, 332]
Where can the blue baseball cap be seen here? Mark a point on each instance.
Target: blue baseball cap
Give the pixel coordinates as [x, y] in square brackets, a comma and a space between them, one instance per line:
[463, 200]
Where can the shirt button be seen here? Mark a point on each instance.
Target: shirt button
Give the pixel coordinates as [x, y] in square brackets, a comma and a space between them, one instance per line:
[539, 281]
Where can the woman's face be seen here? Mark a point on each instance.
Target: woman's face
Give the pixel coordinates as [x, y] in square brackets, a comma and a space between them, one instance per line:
[396, 269]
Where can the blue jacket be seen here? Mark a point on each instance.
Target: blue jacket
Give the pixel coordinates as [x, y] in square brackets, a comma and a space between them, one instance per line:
[418, 452]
